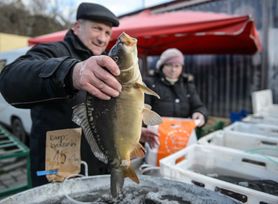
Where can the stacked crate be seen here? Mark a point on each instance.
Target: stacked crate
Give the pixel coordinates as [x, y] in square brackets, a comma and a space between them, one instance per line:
[14, 165]
[240, 161]
[214, 167]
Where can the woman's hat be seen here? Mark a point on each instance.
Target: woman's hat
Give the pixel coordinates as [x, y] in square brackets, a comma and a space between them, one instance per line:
[170, 56]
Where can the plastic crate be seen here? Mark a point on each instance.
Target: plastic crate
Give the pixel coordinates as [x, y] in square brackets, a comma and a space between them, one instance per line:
[14, 165]
[261, 119]
[213, 124]
[271, 111]
[262, 103]
[253, 128]
[246, 142]
[198, 161]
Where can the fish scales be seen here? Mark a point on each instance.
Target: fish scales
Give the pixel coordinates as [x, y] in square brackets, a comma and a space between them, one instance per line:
[113, 127]
[103, 126]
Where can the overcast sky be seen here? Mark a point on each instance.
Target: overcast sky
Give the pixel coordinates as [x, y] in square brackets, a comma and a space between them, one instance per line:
[119, 7]
[124, 6]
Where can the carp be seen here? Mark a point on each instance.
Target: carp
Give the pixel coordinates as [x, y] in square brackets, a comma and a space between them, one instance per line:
[113, 128]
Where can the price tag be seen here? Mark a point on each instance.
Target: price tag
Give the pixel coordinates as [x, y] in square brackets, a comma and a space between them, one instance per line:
[63, 153]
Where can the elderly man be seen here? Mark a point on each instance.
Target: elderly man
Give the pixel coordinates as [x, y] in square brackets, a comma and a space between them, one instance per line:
[51, 78]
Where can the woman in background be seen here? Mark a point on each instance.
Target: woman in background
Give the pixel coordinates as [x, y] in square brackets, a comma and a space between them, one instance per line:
[178, 95]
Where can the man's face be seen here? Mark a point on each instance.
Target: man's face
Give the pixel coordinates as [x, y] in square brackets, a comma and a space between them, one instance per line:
[94, 35]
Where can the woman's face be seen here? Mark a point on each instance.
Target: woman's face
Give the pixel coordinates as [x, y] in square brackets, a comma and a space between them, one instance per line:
[172, 71]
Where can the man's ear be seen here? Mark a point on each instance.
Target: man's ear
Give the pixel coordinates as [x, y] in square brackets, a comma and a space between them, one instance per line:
[76, 27]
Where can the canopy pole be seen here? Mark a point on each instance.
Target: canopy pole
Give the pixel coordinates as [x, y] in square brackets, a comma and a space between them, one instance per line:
[144, 66]
[265, 55]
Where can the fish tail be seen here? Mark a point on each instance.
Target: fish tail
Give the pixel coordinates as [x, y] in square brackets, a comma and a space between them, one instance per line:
[130, 173]
[117, 182]
[117, 179]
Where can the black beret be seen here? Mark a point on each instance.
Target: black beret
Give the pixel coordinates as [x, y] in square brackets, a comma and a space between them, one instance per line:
[91, 11]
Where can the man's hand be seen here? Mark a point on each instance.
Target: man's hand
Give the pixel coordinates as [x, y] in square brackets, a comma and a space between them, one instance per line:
[199, 117]
[150, 137]
[96, 75]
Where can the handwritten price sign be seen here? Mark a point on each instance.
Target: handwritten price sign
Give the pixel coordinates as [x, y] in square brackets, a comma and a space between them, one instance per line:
[63, 153]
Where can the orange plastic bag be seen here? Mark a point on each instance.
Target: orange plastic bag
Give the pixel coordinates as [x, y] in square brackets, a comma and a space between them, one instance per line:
[174, 135]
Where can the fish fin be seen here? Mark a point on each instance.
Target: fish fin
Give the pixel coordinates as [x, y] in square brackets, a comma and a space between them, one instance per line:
[130, 173]
[76, 117]
[150, 117]
[147, 106]
[146, 89]
[80, 118]
[139, 151]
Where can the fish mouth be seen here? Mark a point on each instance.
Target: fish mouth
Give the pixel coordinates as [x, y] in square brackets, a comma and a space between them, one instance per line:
[124, 48]
[127, 40]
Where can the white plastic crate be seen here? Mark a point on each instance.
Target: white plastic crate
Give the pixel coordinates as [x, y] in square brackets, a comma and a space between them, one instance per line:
[203, 160]
[261, 119]
[254, 128]
[246, 142]
[262, 103]
[271, 111]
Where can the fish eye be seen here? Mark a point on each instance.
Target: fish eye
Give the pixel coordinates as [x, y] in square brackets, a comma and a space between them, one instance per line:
[116, 58]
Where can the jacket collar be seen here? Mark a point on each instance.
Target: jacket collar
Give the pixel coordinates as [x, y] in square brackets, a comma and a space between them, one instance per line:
[72, 39]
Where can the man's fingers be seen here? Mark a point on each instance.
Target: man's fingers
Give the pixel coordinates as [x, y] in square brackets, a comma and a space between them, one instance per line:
[103, 87]
[97, 93]
[149, 137]
[95, 75]
[155, 142]
[107, 78]
[108, 63]
[152, 139]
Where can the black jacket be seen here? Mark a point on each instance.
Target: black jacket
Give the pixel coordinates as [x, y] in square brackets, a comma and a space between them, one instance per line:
[41, 80]
[178, 100]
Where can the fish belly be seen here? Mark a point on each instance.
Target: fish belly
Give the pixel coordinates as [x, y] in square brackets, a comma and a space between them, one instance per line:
[128, 121]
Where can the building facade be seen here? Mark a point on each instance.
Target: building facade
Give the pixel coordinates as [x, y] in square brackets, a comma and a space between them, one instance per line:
[9, 42]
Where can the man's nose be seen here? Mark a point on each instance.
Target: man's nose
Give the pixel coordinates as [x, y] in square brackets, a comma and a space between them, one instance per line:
[102, 38]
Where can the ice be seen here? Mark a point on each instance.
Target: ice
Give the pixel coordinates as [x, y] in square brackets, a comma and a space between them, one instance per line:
[96, 190]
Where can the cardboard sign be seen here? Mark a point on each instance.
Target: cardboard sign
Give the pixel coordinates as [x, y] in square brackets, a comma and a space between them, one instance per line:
[63, 153]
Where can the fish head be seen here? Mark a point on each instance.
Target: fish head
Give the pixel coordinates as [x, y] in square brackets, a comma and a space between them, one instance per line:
[124, 53]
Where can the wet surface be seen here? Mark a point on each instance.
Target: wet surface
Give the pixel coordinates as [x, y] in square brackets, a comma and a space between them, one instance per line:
[266, 186]
[151, 190]
[144, 195]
